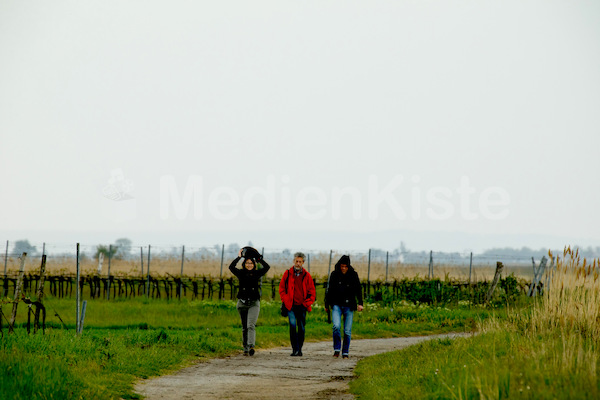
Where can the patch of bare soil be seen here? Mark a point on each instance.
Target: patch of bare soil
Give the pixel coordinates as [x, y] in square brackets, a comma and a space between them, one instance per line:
[273, 373]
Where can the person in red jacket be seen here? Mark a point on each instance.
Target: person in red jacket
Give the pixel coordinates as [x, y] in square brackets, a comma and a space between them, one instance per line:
[297, 292]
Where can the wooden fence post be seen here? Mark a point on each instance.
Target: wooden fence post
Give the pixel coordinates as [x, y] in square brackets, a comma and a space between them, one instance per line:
[40, 288]
[108, 275]
[82, 317]
[17, 293]
[148, 272]
[5, 259]
[387, 259]
[430, 264]
[470, 267]
[181, 274]
[537, 276]
[499, 267]
[40, 295]
[222, 257]
[77, 294]
[142, 260]
[369, 268]
[5, 282]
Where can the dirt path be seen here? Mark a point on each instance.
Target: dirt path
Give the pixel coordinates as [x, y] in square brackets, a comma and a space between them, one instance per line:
[273, 374]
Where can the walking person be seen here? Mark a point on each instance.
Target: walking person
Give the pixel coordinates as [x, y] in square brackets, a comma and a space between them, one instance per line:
[343, 296]
[248, 304]
[297, 292]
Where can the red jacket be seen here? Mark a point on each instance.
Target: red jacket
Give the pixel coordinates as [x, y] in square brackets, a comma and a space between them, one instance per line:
[308, 287]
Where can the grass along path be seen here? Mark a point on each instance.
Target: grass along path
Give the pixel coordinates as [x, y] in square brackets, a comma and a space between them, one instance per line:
[124, 341]
[273, 374]
[548, 350]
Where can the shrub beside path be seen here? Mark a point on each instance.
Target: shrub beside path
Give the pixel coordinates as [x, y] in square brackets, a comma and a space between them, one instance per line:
[273, 374]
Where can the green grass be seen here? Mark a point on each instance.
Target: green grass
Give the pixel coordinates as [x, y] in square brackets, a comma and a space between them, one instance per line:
[494, 365]
[125, 340]
[546, 349]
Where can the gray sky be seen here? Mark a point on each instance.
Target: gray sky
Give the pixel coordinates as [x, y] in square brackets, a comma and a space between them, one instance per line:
[228, 120]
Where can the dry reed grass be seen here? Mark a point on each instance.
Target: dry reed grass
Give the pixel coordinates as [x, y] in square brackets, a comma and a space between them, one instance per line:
[571, 297]
[563, 326]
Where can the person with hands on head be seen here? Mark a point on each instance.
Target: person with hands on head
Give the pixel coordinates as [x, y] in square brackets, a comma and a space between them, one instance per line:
[297, 292]
[343, 296]
[248, 304]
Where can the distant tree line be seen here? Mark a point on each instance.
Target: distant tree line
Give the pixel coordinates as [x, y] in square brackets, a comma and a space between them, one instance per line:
[123, 249]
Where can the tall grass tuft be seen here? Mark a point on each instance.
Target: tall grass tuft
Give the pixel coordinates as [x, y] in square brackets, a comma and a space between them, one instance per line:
[571, 299]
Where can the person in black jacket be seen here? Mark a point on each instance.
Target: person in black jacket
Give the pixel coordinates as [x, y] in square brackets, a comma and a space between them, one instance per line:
[248, 304]
[343, 296]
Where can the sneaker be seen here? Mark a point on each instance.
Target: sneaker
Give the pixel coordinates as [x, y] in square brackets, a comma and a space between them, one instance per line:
[299, 353]
[245, 354]
[336, 353]
[251, 352]
[294, 353]
[344, 355]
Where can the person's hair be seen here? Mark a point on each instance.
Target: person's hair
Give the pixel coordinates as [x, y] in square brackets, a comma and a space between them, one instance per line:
[300, 254]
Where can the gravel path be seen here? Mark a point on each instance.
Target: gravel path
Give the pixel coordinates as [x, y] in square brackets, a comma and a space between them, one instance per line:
[273, 374]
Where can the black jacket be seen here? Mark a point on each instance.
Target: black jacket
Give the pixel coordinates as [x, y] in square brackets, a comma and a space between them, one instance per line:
[249, 280]
[343, 290]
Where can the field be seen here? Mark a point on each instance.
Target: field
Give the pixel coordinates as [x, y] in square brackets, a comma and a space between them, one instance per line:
[319, 264]
[547, 350]
[543, 347]
[127, 340]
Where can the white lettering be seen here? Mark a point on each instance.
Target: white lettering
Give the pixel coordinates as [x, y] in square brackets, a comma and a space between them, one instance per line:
[386, 195]
[336, 202]
[223, 196]
[303, 200]
[169, 195]
[443, 203]
[465, 190]
[268, 194]
[494, 196]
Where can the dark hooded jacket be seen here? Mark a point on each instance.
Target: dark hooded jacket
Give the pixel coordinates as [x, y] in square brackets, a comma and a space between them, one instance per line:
[250, 281]
[343, 290]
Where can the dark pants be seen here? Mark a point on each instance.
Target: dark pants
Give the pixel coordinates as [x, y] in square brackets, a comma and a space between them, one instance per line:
[297, 316]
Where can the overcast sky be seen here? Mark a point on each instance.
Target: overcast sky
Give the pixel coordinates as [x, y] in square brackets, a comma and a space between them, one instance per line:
[208, 121]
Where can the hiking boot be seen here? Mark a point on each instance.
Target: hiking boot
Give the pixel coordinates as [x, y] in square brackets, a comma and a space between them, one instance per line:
[336, 353]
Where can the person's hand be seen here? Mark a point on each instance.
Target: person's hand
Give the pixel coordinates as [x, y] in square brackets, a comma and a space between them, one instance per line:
[240, 253]
[359, 308]
[326, 309]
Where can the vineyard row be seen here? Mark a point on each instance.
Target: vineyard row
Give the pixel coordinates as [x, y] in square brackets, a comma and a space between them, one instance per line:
[207, 288]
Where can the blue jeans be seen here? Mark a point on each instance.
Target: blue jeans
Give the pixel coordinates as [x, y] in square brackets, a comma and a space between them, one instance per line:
[297, 316]
[336, 317]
